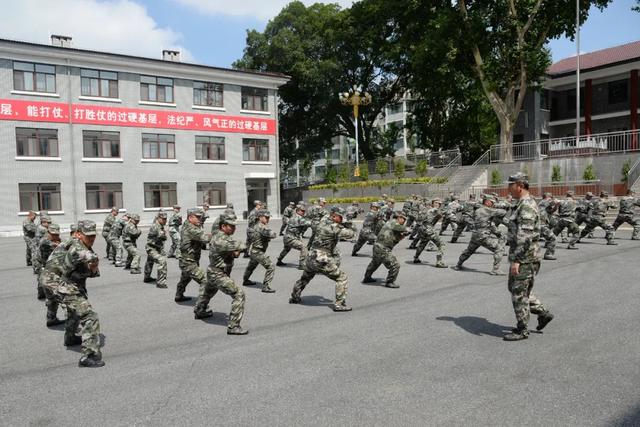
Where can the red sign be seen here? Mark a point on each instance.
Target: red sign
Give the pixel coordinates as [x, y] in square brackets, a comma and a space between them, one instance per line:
[57, 112]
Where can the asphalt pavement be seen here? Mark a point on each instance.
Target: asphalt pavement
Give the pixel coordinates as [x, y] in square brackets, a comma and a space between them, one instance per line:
[429, 353]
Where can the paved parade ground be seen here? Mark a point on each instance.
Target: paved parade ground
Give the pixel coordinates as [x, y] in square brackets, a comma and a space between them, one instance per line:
[428, 353]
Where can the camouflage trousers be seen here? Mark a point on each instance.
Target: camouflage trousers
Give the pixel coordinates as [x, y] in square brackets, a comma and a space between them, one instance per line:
[27, 242]
[322, 263]
[81, 319]
[174, 250]
[154, 256]
[523, 300]
[629, 219]
[488, 241]
[550, 240]
[383, 256]
[35, 259]
[426, 235]
[570, 225]
[247, 243]
[446, 222]
[283, 227]
[116, 247]
[218, 280]
[293, 243]
[465, 223]
[365, 235]
[410, 220]
[598, 221]
[110, 253]
[48, 281]
[189, 270]
[260, 258]
[314, 226]
[133, 256]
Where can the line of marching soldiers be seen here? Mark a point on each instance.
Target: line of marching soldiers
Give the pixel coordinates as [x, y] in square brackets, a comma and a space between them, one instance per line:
[62, 267]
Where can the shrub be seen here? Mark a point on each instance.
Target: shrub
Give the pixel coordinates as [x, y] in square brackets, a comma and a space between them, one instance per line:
[344, 173]
[422, 167]
[364, 171]
[398, 168]
[382, 168]
[626, 167]
[496, 177]
[556, 175]
[379, 183]
[589, 173]
[332, 174]
[366, 199]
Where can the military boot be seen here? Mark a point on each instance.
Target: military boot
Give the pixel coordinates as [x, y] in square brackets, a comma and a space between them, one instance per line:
[237, 330]
[392, 285]
[135, 271]
[550, 257]
[368, 279]
[416, 260]
[440, 263]
[612, 243]
[91, 361]
[161, 285]
[54, 321]
[247, 282]
[181, 298]
[202, 313]
[458, 267]
[149, 279]
[295, 299]
[268, 290]
[341, 307]
[279, 263]
[517, 334]
[543, 320]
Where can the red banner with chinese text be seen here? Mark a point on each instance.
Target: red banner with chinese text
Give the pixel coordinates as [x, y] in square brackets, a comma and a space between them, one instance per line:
[57, 112]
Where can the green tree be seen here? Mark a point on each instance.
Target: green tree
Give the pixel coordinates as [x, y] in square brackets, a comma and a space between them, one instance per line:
[626, 167]
[332, 174]
[556, 175]
[382, 167]
[496, 177]
[344, 173]
[589, 173]
[422, 167]
[364, 171]
[398, 167]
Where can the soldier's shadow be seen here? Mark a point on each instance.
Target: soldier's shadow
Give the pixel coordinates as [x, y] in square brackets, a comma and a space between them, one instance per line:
[190, 303]
[218, 318]
[478, 326]
[377, 282]
[316, 301]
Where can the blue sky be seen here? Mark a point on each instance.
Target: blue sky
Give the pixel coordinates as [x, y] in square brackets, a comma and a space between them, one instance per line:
[214, 31]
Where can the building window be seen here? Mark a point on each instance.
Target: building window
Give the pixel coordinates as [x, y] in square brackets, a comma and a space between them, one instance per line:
[99, 83]
[618, 92]
[209, 148]
[208, 94]
[544, 99]
[160, 194]
[36, 142]
[212, 193]
[255, 99]
[157, 89]
[158, 146]
[255, 150]
[39, 197]
[100, 144]
[394, 108]
[34, 77]
[104, 196]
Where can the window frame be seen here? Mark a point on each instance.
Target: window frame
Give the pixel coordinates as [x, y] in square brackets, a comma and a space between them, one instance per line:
[210, 92]
[247, 144]
[158, 143]
[170, 191]
[38, 142]
[37, 69]
[155, 83]
[209, 188]
[101, 77]
[106, 197]
[44, 197]
[100, 143]
[214, 144]
[254, 98]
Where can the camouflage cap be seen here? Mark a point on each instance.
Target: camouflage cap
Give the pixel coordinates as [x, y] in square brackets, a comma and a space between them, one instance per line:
[195, 212]
[436, 200]
[302, 202]
[390, 200]
[337, 210]
[263, 212]
[518, 177]
[301, 208]
[399, 214]
[134, 217]
[229, 205]
[162, 214]
[54, 229]
[292, 203]
[588, 194]
[176, 207]
[489, 197]
[322, 200]
[354, 203]
[228, 219]
[257, 202]
[113, 208]
[87, 227]
[73, 228]
[569, 193]
[375, 205]
[44, 217]
[604, 194]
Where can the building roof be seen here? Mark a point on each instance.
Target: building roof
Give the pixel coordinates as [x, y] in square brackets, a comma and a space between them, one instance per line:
[124, 56]
[598, 59]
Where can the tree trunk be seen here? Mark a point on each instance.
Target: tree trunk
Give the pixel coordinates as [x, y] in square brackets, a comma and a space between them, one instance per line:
[506, 138]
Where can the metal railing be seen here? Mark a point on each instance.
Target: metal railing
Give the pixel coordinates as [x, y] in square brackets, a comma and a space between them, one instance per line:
[633, 176]
[585, 145]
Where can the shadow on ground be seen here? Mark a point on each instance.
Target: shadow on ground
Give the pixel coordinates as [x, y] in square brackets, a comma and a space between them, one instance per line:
[478, 325]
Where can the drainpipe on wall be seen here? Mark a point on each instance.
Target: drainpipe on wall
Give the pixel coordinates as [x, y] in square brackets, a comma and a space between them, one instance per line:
[74, 186]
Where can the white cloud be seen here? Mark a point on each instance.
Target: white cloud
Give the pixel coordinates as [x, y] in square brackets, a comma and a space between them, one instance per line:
[260, 9]
[118, 26]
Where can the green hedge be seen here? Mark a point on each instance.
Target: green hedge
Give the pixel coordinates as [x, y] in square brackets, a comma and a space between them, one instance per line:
[368, 199]
[379, 183]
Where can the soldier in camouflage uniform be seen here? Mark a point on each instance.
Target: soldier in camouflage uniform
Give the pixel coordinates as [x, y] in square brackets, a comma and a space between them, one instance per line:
[485, 234]
[353, 211]
[316, 213]
[293, 237]
[252, 219]
[566, 219]
[66, 273]
[41, 231]
[155, 251]
[192, 240]
[174, 231]
[627, 214]
[598, 208]
[393, 231]
[286, 215]
[449, 213]
[221, 247]
[427, 232]
[582, 212]
[524, 235]
[261, 237]
[406, 210]
[367, 232]
[130, 235]
[324, 259]
[465, 222]
[29, 233]
[47, 246]
[547, 207]
[106, 229]
[115, 236]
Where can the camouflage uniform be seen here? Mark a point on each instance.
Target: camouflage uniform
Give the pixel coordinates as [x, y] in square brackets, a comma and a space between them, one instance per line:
[546, 209]
[465, 222]
[598, 208]
[406, 210]
[390, 235]
[353, 211]
[566, 219]
[414, 212]
[46, 246]
[323, 259]
[106, 228]
[259, 244]
[286, 216]
[28, 234]
[174, 231]
[66, 273]
[485, 235]
[192, 240]
[293, 239]
[41, 231]
[451, 207]
[627, 214]
[367, 232]
[315, 214]
[427, 233]
[115, 235]
[252, 219]
[155, 253]
[221, 247]
[524, 233]
[130, 235]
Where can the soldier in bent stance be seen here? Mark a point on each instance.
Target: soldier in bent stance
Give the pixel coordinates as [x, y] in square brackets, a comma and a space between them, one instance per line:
[626, 214]
[260, 239]
[47, 246]
[175, 222]
[293, 237]
[115, 236]
[29, 233]
[392, 232]
[155, 251]
[427, 233]
[598, 207]
[367, 232]
[192, 240]
[286, 215]
[106, 229]
[566, 219]
[130, 235]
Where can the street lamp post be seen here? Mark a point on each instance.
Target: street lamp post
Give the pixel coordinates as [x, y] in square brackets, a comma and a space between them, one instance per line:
[355, 98]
